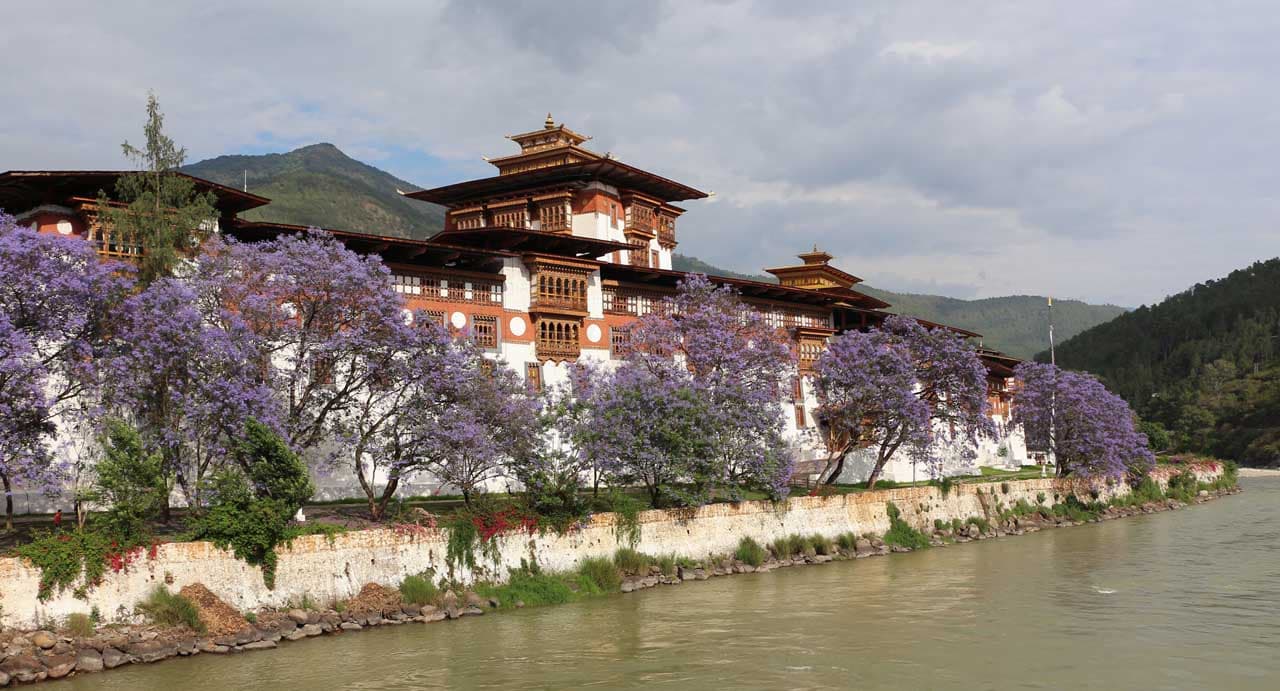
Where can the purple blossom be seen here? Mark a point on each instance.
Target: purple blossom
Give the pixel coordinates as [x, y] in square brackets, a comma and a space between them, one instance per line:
[900, 387]
[1093, 433]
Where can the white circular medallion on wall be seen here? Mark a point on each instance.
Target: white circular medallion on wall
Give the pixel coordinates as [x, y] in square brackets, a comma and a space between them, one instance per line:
[407, 316]
[594, 333]
[458, 320]
[516, 326]
[64, 227]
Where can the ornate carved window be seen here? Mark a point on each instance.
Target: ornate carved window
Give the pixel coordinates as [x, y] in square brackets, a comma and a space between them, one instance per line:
[484, 330]
[619, 342]
[553, 216]
[533, 376]
[558, 339]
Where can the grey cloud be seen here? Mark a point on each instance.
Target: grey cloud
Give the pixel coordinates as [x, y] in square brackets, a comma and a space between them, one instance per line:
[925, 142]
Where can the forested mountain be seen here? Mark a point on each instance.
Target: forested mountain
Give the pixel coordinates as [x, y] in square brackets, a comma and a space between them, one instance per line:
[1017, 324]
[1204, 363]
[321, 186]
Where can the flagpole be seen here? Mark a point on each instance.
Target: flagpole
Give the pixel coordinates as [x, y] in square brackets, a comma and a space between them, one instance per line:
[1053, 393]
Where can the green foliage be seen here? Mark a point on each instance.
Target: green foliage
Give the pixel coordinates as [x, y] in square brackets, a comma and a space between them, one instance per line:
[901, 533]
[667, 563]
[846, 541]
[251, 617]
[750, 552]
[67, 559]
[1040, 497]
[329, 530]
[781, 548]
[1158, 437]
[983, 524]
[797, 544]
[1183, 487]
[631, 561]
[253, 519]
[79, 625]
[821, 544]
[530, 588]
[463, 536]
[131, 482]
[944, 485]
[171, 609]
[1203, 364]
[626, 515]
[1004, 488]
[599, 575]
[418, 590]
[159, 211]
[1147, 490]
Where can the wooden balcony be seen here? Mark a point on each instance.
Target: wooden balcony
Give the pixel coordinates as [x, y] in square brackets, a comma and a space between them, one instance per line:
[557, 339]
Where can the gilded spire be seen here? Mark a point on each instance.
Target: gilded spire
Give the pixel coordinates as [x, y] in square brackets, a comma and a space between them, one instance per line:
[549, 124]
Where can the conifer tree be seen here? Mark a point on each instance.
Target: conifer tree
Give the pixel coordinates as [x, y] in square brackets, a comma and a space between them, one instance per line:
[155, 208]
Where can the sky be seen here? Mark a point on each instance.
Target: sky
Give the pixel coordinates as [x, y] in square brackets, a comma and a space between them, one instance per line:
[1109, 151]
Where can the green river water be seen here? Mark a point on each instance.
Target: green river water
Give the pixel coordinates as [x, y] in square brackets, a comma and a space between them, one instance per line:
[1179, 600]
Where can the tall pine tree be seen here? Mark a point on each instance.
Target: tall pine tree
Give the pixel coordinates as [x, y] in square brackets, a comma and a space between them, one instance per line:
[156, 208]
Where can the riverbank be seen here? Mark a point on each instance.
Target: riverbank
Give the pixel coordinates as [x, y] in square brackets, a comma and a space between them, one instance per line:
[1259, 472]
[971, 512]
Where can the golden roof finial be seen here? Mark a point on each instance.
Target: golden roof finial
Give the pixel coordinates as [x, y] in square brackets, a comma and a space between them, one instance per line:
[549, 124]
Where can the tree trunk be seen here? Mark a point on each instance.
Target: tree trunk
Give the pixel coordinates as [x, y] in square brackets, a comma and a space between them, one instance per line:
[8, 502]
[380, 511]
[835, 470]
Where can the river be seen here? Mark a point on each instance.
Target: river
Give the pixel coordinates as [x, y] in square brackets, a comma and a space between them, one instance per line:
[1178, 600]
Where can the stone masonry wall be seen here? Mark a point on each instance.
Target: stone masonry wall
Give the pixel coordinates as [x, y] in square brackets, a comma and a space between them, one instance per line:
[328, 570]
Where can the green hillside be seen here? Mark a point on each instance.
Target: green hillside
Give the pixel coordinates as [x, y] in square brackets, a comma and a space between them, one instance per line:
[1016, 324]
[321, 186]
[1205, 363]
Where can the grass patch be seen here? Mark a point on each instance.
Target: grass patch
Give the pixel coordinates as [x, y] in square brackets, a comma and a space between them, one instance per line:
[632, 562]
[901, 533]
[598, 575]
[79, 625]
[750, 552]
[418, 590]
[171, 609]
[847, 540]
[667, 563]
[530, 588]
[821, 544]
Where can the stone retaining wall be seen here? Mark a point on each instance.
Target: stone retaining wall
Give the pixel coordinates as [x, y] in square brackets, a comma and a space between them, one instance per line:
[326, 570]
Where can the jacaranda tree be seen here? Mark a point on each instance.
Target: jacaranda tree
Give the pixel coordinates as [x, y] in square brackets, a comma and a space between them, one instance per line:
[737, 364]
[1089, 430]
[897, 388]
[187, 380]
[55, 300]
[319, 314]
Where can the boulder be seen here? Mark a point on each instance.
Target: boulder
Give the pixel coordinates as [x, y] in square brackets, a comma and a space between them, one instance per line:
[432, 614]
[4, 679]
[150, 651]
[296, 635]
[472, 611]
[59, 666]
[862, 547]
[44, 640]
[310, 630]
[973, 531]
[299, 616]
[204, 645]
[259, 645]
[628, 586]
[474, 600]
[350, 626]
[449, 600]
[411, 609]
[87, 660]
[23, 668]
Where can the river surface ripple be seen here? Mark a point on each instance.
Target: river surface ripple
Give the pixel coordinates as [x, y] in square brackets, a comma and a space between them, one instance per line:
[1179, 600]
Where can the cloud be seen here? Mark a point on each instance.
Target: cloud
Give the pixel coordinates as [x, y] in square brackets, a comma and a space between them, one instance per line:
[1118, 155]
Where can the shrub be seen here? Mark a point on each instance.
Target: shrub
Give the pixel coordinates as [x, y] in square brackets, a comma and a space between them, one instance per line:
[65, 559]
[171, 609]
[781, 548]
[1004, 488]
[251, 617]
[983, 524]
[1183, 487]
[797, 543]
[750, 552]
[1147, 490]
[80, 625]
[667, 563]
[901, 533]
[820, 544]
[1040, 497]
[631, 561]
[131, 482]
[598, 575]
[418, 590]
[848, 540]
[253, 504]
[531, 588]
[938, 525]
[944, 485]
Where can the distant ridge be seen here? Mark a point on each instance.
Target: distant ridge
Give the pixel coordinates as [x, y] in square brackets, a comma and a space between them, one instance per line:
[320, 185]
[1017, 324]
